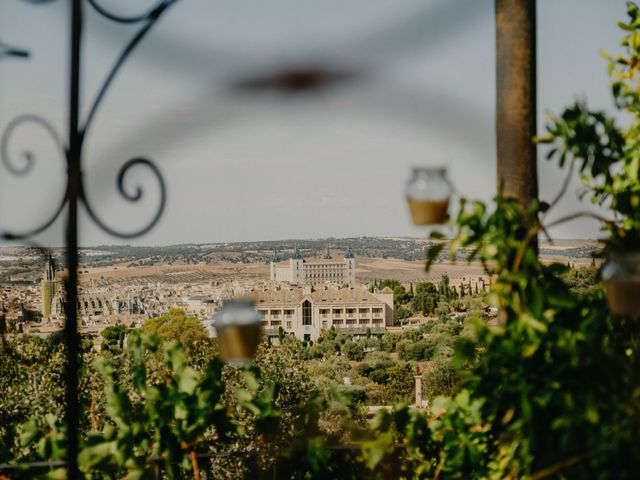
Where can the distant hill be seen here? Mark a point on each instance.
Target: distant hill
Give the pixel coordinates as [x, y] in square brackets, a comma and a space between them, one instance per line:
[402, 248]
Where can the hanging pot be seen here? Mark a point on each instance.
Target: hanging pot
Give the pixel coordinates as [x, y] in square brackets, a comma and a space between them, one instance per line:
[428, 193]
[239, 330]
[621, 278]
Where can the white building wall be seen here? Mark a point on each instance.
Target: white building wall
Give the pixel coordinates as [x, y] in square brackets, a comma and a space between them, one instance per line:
[296, 265]
[298, 272]
[372, 314]
[350, 271]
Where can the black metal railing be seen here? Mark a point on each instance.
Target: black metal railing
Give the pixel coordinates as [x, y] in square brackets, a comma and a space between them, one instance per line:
[75, 193]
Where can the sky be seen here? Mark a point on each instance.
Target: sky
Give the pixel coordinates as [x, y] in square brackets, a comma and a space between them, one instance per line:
[265, 166]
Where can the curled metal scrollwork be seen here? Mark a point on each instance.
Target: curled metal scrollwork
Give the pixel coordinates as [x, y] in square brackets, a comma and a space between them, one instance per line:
[28, 162]
[148, 19]
[9, 51]
[134, 196]
[27, 155]
[152, 13]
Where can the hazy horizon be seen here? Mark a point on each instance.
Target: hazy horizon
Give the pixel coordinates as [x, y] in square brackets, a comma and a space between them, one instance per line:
[282, 240]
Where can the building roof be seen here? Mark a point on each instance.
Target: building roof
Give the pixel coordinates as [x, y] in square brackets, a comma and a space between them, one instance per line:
[296, 253]
[199, 297]
[314, 261]
[294, 295]
[322, 261]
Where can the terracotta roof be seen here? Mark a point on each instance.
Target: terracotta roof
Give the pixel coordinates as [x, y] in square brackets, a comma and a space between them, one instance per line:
[294, 295]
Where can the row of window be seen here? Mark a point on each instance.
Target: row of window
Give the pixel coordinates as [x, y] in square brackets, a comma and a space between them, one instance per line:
[332, 267]
[325, 324]
[337, 312]
[277, 312]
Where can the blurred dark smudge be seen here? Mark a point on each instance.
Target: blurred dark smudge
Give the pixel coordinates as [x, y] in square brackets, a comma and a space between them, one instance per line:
[294, 80]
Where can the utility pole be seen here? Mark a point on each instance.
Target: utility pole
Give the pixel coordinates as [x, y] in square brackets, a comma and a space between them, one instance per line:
[516, 99]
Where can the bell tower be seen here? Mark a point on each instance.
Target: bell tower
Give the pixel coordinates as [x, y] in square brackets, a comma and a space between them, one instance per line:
[48, 286]
[349, 268]
[296, 267]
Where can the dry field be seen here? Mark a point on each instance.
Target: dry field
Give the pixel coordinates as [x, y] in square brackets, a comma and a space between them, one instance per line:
[176, 273]
[368, 269]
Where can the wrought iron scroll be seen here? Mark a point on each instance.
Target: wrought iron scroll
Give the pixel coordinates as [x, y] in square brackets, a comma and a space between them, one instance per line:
[24, 165]
[9, 51]
[75, 192]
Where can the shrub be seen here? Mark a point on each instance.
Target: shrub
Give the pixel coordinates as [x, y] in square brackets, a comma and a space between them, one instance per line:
[354, 393]
[389, 342]
[440, 377]
[353, 351]
[401, 382]
[416, 351]
[379, 376]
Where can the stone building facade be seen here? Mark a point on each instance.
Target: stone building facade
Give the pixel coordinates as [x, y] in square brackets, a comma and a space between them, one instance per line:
[315, 271]
[307, 311]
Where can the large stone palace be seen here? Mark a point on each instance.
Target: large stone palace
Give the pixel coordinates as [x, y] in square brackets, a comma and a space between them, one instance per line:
[315, 271]
[307, 311]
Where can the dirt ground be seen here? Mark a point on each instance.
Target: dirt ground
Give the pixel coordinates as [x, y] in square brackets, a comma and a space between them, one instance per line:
[367, 269]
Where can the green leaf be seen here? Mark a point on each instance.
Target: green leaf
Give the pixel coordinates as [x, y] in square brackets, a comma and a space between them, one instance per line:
[432, 254]
[375, 450]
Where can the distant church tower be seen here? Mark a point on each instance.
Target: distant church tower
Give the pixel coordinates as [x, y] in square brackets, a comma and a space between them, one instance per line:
[296, 267]
[350, 267]
[48, 287]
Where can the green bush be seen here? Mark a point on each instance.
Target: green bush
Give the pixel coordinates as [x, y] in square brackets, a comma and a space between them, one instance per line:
[355, 393]
[440, 377]
[353, 350]
[379, 376]
[416, 351]
[401, 382]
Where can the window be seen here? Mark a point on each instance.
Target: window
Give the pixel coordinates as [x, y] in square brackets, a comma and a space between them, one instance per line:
[306, 312]
[288, 324]
[307, 337]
